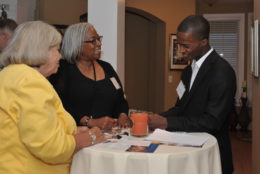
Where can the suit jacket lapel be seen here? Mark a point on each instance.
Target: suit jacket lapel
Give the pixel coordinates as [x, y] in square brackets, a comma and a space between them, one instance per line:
[205, 67]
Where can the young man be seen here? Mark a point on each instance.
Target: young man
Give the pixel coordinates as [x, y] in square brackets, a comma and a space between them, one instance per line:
[206, 90]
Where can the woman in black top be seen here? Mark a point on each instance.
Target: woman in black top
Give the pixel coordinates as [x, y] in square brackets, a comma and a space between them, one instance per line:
[88, 87]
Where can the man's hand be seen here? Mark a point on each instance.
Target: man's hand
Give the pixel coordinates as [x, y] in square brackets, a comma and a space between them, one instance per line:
[156, 121]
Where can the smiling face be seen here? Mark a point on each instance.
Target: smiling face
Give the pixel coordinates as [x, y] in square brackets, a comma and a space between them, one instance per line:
[190, 46]
[52, 62]
[91, 50]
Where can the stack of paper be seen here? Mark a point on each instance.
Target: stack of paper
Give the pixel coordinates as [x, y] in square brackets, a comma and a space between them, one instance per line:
[184, 139]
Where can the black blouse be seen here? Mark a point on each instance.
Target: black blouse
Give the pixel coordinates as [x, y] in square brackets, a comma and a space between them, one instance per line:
[83, 96]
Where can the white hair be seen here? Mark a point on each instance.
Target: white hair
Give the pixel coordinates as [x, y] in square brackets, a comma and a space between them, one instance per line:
[30, 44]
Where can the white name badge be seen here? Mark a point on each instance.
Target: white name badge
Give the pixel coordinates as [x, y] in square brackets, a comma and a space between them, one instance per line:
[180, 89]
[115, 83]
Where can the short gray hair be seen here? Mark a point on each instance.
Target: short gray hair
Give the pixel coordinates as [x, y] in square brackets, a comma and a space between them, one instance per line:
[30, 44]
[73, 41]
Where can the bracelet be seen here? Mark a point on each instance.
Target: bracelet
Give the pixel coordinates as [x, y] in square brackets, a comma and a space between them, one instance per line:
[88, 118]
[93, 136]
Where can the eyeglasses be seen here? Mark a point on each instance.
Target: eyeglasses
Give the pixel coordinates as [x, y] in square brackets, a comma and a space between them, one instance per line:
[94, 41]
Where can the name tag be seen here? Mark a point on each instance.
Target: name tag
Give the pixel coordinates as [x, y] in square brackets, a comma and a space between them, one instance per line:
[115, 83]
[180, 89]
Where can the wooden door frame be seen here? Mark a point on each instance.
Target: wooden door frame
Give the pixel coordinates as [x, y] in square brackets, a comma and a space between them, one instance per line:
[157, 55]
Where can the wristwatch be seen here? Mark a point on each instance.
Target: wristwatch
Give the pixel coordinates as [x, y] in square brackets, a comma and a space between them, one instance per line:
[93, 136]
[86, 121]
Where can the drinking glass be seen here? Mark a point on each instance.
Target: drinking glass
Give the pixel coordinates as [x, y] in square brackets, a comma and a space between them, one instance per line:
[140, 122]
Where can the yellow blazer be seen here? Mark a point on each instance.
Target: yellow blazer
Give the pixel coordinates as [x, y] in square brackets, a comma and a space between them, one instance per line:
[35, 130]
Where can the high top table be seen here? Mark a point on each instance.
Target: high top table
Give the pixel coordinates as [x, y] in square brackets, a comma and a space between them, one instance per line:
[165, 160]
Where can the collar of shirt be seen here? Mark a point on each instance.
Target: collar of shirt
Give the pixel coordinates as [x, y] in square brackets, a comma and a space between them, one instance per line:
[202, 59]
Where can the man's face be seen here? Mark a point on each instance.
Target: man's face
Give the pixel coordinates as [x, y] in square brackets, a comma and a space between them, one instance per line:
[4, 39]
[190, 46]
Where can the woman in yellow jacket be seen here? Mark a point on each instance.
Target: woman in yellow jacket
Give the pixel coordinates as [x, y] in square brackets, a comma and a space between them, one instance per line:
[37, 135]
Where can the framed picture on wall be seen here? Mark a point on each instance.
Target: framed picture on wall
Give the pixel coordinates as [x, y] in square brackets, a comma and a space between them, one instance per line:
[176, 60]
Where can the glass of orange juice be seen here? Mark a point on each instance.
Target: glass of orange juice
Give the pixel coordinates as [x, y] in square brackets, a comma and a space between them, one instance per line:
[140, 123]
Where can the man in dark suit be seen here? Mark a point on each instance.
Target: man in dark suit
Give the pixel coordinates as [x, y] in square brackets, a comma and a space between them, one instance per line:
[206, 90]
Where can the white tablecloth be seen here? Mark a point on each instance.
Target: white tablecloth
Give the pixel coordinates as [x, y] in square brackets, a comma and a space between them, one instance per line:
[165, 160]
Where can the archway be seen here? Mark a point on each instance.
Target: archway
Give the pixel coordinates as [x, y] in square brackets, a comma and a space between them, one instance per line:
[144, 60]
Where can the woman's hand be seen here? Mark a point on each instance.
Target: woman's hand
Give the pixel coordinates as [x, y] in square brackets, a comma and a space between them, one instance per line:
[86, 137]
[82, 129]
[83, 120]
[123, 121]
[104, 123]
[100, 137]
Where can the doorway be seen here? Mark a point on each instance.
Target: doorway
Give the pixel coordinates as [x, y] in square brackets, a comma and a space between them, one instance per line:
[144, 60]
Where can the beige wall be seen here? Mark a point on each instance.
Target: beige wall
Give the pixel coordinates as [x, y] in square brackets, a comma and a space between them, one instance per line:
[25, 10]
[256, 109]
[224, 7]
[171, 12]
[61, 11]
